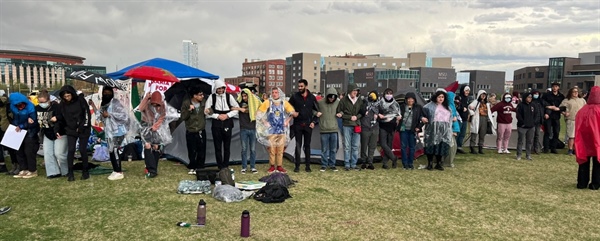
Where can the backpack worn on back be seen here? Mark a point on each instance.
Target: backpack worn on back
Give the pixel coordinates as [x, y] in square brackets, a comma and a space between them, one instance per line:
[272, 193]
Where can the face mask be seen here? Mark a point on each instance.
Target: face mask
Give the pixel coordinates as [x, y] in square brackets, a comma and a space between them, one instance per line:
[536, 96]
[507, 99]
[389, 97]
[44, 105]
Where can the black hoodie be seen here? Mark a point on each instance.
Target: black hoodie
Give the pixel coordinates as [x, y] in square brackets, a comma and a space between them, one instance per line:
[462, 107]
[74, 115]
[526, 113]
[415, 115]
[539, 105]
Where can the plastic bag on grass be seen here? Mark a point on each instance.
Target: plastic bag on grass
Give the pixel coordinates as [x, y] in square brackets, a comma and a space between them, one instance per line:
[193, 187]
[228, 193]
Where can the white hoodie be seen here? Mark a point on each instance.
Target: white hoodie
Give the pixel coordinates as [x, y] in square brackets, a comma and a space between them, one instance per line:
[221, 102]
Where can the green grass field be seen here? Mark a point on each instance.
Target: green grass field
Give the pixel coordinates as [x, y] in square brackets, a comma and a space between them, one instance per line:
[486, 197]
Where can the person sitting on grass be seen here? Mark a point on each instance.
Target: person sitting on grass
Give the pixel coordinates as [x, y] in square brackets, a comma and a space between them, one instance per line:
[273, 127]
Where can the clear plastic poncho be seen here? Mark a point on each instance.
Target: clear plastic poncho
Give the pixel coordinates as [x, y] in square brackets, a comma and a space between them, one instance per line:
[121, 127]
[437, 132]
[270, 121]
[152, 115]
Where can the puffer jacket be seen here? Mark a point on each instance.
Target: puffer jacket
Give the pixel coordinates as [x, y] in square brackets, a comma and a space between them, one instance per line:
[21, 117]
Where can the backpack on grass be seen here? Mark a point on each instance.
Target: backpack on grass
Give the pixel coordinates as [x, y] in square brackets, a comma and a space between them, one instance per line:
[272, 193]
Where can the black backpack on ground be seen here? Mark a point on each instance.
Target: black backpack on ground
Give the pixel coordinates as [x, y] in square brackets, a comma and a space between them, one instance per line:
[225, 176]
[272, 193]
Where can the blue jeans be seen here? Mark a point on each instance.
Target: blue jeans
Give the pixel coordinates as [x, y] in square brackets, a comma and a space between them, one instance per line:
[248, 139]
[463, 131]
[351, 145]
[409, 141]
[329, 142]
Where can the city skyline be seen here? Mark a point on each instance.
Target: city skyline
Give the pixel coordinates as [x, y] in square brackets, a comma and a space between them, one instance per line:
[485, 35]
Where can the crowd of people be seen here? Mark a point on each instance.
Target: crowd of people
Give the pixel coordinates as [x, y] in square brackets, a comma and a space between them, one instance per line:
[364, 121]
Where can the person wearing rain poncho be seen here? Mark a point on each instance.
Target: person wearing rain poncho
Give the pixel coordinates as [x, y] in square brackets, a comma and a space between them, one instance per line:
[273, 127]
[155, 131]
[456, 122]
[438, 129]
[116, 125]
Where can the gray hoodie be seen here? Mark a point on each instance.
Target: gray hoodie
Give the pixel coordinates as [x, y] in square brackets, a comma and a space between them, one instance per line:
[328, 122]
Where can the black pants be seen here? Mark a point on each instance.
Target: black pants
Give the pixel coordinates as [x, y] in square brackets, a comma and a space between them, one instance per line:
[27, 153]
[115, 161]
[71, 144]
[151, 157]
[551, 126]
[386, 138]
[302, 133]
[222, 141]
[196, 146]
[2, 147]
[583, 174]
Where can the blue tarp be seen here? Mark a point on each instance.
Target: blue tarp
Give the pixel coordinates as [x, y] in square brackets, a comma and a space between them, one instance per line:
[180, 70]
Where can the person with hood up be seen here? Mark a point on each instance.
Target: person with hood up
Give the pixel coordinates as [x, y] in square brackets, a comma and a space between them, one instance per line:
[462, 107]
[389, 117]
[192, 112]
[328, 125]
[25, 118]
[116, 126]
[349, 108]
[273, 127]
[55, 150]
[456, 120]
[480, 119]
[539, 121]
[438, 131]
[306, 108]
[155, 131]
[369, 134]
[552, 114]
[526, 115]
[221, 107]
[504, 119]
[249, 104]
[587, 141]
[571, 105]
[409, 127]
[74, 116]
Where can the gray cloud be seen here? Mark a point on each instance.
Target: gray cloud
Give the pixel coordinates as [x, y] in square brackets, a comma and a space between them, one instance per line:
[494, 17]
[455, 26]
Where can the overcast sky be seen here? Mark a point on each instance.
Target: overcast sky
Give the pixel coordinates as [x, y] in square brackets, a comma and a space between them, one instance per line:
[489, 35]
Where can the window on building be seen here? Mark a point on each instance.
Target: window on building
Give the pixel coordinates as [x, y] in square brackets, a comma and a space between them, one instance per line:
[539, 75]
[315, 81]
[293, 68]
[280, 66]
[352, 64]
[359, 64]
[314, 87]
[271, 71]
[383, 64]
[271, 66]
[379, 84]
[294, 62]
[299, 67]
[293, 74]
[529, 75]
[329, 63]
[393, 64]
[315, 68]
[315, 62]
[345, 64]
[280, 77]
[315, 74]
[299, 61]
[329, 68]
[337, 63]
[374, 64]
[280, 72]
[411, 84]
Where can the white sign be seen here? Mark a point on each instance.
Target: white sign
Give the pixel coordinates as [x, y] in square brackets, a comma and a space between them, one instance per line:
[13, 139]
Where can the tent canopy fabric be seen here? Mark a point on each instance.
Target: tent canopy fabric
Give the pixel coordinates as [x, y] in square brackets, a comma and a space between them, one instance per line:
[180, 70]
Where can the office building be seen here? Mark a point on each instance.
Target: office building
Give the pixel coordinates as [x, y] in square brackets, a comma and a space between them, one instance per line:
[190, 53]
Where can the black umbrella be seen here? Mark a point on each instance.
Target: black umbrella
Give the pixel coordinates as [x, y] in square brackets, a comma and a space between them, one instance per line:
[96, 78]
[179, 91]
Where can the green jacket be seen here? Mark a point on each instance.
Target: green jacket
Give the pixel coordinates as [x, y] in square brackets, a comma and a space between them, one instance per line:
[348, 109]
[328, 121]
[4, 121]
[195, 120]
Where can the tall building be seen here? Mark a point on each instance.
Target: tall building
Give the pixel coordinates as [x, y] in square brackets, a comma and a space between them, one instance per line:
[270, 73]
[306, 66]
[190, 53]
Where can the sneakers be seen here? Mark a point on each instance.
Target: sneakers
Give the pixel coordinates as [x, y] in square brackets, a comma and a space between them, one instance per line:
[506, 151]
[116, 176]
[323, 169]
[54, 176]
[4, 210]
[30, 175]
[254, 171]
[243, 171]
[570, 152]
[363, 166]
[529, 158]
[333, 169]
[151, 175]
[271, 169]
[307, 169]
[346, 169]
[371, 167]
[297, 169]
[500, 151]
[280, 169]
[191, 172]
[21, 174]
[518, 157]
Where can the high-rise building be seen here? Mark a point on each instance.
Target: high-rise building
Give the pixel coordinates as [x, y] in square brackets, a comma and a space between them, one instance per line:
[190, 53]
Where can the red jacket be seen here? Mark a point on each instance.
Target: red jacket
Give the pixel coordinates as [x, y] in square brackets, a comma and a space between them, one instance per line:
[505, 111]
[587, 128]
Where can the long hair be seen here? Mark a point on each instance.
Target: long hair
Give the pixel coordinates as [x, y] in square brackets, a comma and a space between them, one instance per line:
[445, 103]
[570, 93]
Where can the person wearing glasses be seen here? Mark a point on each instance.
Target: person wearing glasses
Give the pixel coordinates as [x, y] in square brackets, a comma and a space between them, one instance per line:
[192, 112]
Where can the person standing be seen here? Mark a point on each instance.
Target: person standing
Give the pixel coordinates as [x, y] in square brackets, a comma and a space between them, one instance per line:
[409, 127]
[369, 134]
[55, 150]
[438, 132]
[155, 130]
[504, 119]
[571, 105]
[220, 107]
[349, 108]
[75, 115]
[3, 125]
[328, 125]
[25, 118]
[249, 103]
[480, 116]
[552, 114]
[116, 125]
[587, 141]
[272, 127]
[539, 120]
[462, 107]
[526, 115]
[192, 112]
[389, 117]
[305, 104]
[456, 120]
